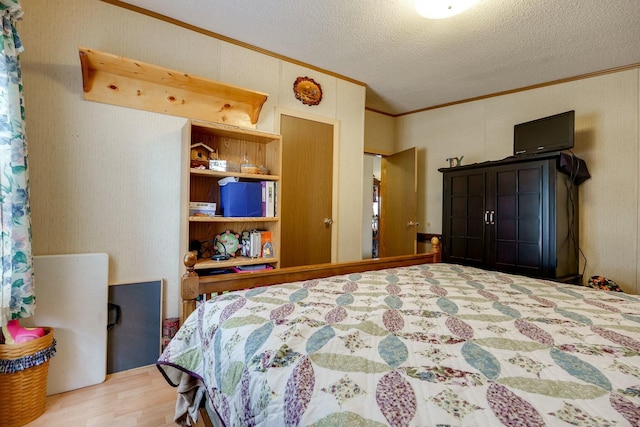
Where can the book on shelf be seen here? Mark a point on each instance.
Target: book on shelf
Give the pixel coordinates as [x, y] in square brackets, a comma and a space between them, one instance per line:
[268, 198]
[202, 209]
[255, 267]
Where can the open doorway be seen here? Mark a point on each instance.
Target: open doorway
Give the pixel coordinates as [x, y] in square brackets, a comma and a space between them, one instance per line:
[390, 210]
[371, 206]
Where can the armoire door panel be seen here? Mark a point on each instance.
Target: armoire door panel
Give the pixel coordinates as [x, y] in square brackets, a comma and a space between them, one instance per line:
[459, 186]
[459, 206]
[506, 253]
[528, 255]
[475, 250]
[529, 230]
[506, 182]
[476, 184]
[506, 206]
[529, 205]
[507, 229]
[458, 247]
[463, 213]
[475, 228]
[529, 180]
[459, 226]
[475, 206]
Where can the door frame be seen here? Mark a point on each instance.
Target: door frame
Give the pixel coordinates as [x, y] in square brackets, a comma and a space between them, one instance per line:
[279, 112]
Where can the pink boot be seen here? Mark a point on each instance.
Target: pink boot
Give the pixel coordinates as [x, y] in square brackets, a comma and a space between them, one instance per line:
[16, 334]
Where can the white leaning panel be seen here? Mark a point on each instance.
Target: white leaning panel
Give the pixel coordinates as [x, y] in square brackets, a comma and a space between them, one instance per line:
[71, 297]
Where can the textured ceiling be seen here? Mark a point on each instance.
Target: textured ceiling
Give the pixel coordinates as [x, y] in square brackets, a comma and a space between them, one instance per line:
[411, 63]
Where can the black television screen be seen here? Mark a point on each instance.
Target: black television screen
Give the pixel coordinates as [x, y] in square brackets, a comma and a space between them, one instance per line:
[548, 134]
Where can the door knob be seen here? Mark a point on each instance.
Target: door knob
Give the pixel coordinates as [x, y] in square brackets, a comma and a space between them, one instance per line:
[412, 224]
[328, 221]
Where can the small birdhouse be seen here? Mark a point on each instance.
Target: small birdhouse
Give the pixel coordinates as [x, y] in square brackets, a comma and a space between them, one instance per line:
[200, 155]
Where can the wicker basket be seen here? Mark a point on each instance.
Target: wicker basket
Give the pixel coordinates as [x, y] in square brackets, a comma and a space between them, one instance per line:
[23, 393]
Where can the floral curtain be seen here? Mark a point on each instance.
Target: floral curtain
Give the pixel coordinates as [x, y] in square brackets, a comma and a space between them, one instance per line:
[17, 296]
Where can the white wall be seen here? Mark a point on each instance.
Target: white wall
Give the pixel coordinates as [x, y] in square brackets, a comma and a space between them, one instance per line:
[107, 178]
[607, 138]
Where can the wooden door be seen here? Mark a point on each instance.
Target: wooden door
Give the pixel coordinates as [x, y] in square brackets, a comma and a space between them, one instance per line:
[307, 185]
[399, 196]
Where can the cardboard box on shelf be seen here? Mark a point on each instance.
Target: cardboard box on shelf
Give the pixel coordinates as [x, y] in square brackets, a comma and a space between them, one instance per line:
[202, 209]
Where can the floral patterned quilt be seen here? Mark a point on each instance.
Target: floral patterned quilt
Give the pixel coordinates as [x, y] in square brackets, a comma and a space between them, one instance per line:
[427, 345]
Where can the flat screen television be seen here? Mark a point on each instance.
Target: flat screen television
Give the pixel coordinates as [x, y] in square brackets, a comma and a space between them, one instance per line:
[545, 135]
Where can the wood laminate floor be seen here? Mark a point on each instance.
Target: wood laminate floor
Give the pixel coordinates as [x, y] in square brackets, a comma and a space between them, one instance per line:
[133, 398]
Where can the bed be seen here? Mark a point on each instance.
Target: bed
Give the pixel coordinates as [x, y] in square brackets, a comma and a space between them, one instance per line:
[421, 343]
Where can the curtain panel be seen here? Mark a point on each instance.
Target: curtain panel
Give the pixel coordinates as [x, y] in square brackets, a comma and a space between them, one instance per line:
[17, 293]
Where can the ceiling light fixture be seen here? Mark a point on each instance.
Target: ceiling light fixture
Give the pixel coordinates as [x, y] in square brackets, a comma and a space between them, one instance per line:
[438, 9]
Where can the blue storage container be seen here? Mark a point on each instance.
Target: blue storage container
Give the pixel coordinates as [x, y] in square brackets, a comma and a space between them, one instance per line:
[241, 199]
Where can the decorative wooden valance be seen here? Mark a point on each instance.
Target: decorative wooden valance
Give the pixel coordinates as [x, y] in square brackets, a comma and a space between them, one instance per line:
[116, 80]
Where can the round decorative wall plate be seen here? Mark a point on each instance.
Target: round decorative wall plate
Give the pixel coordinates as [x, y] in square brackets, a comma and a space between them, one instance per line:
[307, 91]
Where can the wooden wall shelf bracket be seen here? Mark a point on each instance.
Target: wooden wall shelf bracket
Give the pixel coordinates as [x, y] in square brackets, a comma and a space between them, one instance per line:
[116, 80]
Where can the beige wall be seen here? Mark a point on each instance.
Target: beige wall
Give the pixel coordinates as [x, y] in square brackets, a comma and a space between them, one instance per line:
[107, 178]
[607, 138]
[379, 133]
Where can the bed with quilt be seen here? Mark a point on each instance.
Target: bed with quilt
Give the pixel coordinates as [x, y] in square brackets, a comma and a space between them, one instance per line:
[423, 345]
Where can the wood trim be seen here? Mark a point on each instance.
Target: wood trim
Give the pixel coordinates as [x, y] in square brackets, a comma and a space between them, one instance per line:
[525, 88]
[227, 39]
[294, 61]
[376, 152]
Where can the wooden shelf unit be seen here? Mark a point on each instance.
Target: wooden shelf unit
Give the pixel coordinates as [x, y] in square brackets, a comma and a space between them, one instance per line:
[201, 185]
[117, 80]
